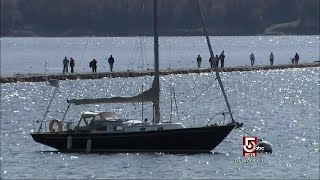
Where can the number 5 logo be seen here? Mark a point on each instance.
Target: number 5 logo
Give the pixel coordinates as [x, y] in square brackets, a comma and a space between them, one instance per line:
[249, 146]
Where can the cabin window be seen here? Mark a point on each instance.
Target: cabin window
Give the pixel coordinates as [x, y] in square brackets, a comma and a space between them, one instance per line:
[142, 129]
[101, 128]
[160, 128]
[117, 128]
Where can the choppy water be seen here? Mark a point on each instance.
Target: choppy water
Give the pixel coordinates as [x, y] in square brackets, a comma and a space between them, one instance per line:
[29, 55]
[281, 106]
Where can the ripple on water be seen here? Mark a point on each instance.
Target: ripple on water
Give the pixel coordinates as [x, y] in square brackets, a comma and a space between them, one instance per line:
[279, 106]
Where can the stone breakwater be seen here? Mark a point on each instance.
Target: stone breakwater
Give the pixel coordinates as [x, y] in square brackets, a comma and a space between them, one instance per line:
[125, 74]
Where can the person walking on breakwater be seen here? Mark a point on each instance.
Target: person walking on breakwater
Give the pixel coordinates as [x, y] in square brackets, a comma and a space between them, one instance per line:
[111, 61]
[216, 60]
[296, 58]
[93, 65]
[252, 59]
[65, 62]
[271, 58]
[72, 65]
[221, 57]
[211, 62]
[199, 60]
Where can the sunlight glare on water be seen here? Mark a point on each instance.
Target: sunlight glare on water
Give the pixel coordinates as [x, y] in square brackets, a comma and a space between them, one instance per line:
[280, 106]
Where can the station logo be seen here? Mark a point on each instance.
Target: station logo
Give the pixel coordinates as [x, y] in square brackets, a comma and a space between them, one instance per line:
[250, 146]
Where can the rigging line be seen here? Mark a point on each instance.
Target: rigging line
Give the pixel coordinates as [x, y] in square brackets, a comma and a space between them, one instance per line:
[84, 49]
[170, 100]
[141, 53]
[215, 65]
[133, 55]
[245, 132]
[169, 49]
[142, 105]
[175, 101]
[136, 49]
[249, 133]
[79, 64]
[145, 52]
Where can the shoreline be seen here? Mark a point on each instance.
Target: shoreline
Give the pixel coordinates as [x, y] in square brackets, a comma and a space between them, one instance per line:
[126, 74]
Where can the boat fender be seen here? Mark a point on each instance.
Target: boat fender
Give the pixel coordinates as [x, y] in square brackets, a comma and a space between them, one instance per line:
[89, 146]
[55, 121]
[266, 146]
[69, 143]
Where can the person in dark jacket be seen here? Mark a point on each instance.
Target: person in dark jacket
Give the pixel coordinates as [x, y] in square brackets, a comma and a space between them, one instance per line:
[111, 61]
[72, 65]
[199, 60]
[93, 65]
[216, 59]
[65, 63]
[211, 62]
[296, 58]
[252, 59]
[221, 57]
[271, 58]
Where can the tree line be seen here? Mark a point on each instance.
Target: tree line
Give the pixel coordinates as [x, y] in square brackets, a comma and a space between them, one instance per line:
[135, 17]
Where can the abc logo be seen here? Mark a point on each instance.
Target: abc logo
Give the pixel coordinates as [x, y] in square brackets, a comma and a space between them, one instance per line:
[259, 148]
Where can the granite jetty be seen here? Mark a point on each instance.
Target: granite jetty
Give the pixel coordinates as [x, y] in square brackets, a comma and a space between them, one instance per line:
[99, 75]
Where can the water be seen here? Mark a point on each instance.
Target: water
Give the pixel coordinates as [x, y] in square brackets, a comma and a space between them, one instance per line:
[281, 106]
[29, 55]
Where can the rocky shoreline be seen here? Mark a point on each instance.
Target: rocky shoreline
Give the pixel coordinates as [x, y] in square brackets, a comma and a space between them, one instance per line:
[125, 74]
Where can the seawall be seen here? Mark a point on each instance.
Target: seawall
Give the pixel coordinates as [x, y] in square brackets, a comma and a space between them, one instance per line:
[69, 76]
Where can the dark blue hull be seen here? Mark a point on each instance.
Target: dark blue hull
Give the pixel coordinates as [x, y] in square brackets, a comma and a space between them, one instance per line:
[187, 140]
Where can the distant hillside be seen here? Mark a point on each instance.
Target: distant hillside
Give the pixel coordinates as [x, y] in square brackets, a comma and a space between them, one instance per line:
[176, 17]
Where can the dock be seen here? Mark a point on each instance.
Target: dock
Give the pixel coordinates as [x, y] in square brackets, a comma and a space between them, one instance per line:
[125, 74]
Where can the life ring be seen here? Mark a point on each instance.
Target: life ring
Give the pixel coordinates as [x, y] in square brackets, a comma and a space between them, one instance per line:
[52, 122]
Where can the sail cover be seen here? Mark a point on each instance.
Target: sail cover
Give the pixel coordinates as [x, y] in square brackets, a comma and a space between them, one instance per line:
[149, 95]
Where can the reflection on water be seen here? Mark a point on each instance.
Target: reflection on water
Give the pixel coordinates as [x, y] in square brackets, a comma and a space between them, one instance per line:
[280, 106]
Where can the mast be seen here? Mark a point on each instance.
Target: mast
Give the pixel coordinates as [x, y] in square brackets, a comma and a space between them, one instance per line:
[156, 84]
[215, 65]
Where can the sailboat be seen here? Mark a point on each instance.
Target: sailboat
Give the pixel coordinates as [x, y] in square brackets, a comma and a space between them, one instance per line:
[105, 132]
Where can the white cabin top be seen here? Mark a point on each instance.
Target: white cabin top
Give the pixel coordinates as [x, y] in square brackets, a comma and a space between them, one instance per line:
[107, 122]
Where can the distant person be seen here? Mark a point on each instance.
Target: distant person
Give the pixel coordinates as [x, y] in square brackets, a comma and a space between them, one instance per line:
[296, 58]
[199, 60]
[252, 59]
[211, 62]
[111, 61]
[216, 60]
[271, 58]
[292, 60]
[93, 65]
[221, 57]
[65, 62]
[72, 65]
